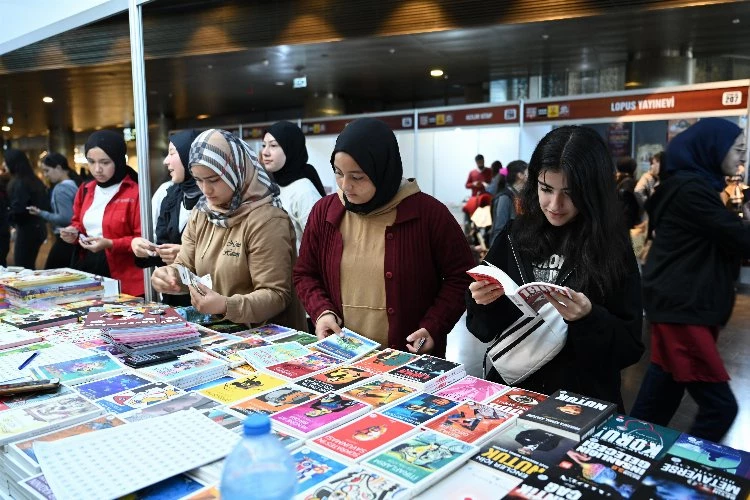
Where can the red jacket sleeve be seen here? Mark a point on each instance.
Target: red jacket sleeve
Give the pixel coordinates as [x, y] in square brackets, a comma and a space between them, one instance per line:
[77, 220]
[470, 181]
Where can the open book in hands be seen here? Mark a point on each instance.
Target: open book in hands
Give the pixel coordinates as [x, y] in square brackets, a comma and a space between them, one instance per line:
[529, 297]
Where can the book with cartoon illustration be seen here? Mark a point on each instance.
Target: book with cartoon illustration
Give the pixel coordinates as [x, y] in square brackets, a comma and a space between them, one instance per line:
[473, 388]
[188, 370]
[35, 319]
[301, 337]
[363, 437]
[380, 392]
[271, 331]
[359, 483]
[635, 436]
[81, 370]
[133, 316]
[320, 414]
[304, 366]
[523, 442]
[420, 409]
[242, 388]
[228, 351]
[517, 401]
[529, 297]
[386, 360]
[139, 397]
[273, 354]
[111, 385]
[347, 345]
[69, 333]
[569, 414]
[421, 459]
[335, 379]
[185, 401]
[315, 467]
[472, 422]
[430, 374]
[275, 401]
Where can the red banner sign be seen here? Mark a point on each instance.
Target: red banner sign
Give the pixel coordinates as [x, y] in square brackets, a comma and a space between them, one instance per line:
[490, 115]
[656, 103]
[323, 127]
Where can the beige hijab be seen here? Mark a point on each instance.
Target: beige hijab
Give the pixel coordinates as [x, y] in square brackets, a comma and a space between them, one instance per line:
[237, 165]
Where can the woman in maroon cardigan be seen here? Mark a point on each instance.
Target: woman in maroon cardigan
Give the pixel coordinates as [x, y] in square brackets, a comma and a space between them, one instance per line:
[379, 256]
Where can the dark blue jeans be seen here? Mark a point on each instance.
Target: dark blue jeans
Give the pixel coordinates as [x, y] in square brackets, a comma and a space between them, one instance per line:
[660, 396]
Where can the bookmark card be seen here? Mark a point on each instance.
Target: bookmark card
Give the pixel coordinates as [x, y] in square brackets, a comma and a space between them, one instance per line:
[261, 357]
[335, 379]
[380, 392]
[386, 360]
[348, 345]
[420, 409]
[473, 388]
[189, 278]
[472, 422]
[243, 388]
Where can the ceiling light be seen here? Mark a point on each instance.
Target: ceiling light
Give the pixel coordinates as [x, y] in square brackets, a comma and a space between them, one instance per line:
[392, 51]
[736, 21]
[202, 117]
[266, 62]
[545, 37]
[632, 84]
[280, 83]
[436, 72]
[47, 99]
[5, 128]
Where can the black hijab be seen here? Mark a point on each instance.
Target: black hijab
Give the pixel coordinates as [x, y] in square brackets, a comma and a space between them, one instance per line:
[373, 146]
[113, 144]
[292, 141]
[187, 191]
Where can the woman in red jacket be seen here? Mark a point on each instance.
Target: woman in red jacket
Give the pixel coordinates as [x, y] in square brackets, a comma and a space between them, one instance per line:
[380, 257]
[106, 214]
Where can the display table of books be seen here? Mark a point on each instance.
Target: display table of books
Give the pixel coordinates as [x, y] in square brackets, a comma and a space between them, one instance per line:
[360, 423]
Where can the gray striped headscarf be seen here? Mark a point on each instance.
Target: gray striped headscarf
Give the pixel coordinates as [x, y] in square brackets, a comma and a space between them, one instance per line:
[238, 166]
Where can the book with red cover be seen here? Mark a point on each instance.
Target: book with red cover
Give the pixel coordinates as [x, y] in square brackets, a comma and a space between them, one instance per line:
[472, 422]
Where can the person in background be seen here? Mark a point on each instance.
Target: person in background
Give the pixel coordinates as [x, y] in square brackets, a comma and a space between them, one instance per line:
[498, 177]
[172, 212]
[106, 214]
[4, 217]
[24, 190]
[626, 191]
[239, 235]
[285, 158]
[479, 178]
[504, 202]
[65, 181]
[380, 257]
[644, 189]
[568, 232]
[689, 277]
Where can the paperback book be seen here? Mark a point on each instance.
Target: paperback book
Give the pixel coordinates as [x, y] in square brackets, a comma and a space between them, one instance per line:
[271, 331]
[557, 483]
[518, 401]
[81, 370]
[524, 442]
[82, 307]
[11, 336]
[569, 414]
[304, 366]
[347, 345]
[314, 467]
[122, 316]
[386, 360]
[224, 418]
[319, 415]
[635, 436]
[430, 374]
[473, 388]
[140, 397]
[188, 370]
[69, 333]
[717, 456]
[275, 401]
[242, 388]
[30, 398]
[185, 401]
[229, 351]
[300, 337]
[36, 319]
[335, 379]
[421, 459]
[420, 409]
[472, 422]
[111, 385]
[363, 437]
[261, 357]
[380, 392]
[358, 483]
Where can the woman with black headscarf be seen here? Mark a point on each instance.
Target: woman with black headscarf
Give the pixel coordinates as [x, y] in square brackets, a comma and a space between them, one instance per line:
[25, 190]
[689, 278]
[172, 213]
[285, 158]
[380, 257]
[106, 214]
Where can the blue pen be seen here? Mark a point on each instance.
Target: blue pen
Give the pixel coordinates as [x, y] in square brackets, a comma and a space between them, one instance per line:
[29, 360]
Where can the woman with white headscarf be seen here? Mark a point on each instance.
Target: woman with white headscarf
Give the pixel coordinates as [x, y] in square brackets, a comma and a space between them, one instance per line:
[239, 234]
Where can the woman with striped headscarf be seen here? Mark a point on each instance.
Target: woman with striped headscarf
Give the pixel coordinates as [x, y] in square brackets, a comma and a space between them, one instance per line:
[239, 234]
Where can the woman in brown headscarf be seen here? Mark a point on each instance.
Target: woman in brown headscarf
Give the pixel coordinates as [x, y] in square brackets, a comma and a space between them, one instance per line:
[238, 234]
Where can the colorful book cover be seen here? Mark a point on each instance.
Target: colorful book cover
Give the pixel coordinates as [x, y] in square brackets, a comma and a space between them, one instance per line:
[364, 436]
[289, 441]
[35, 319]
[714, 455]
[191, 400]
[271, 330]
[335, 379]
[306, 365]
[508, 462]
[539, 445]
[420, 409]
[275, 401]
[642, 438]
[81, 369]
[11, 336]
[111, 385]
[557, 480]
[211, 383]
[347, 345]
[676, 477]
[83, 306]
[242, 388]
[207, 493]
[471, 422]
[132, 316]
[229, 351]
[30, 398]
[316, 416]
[260, 357]
[473, 388]
[386, 360]
[224, 419]
[518, 401]
[358, 483]
[301, 337]
[380, 392]
[472, 481]
[314, 468]
[175, 487]
[186, 365]
[426, 370]
[140, 397]
[570, 414]
[421, 458]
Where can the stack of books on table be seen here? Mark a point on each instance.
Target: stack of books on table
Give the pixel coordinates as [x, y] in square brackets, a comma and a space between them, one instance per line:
[142, 329]
[55, 286]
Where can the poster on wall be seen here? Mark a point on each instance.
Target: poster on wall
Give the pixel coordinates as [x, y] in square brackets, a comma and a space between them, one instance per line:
[618, 139]
[674, 127]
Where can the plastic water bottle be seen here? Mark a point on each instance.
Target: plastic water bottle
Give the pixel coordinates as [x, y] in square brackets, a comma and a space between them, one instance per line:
[259, 467]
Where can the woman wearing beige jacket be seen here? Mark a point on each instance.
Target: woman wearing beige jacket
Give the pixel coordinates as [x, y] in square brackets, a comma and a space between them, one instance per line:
[239, 234]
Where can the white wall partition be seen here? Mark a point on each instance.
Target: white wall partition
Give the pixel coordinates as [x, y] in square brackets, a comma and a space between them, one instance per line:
[530, 136]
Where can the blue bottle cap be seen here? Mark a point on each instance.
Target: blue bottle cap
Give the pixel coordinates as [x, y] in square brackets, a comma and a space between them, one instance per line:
[256, 424]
